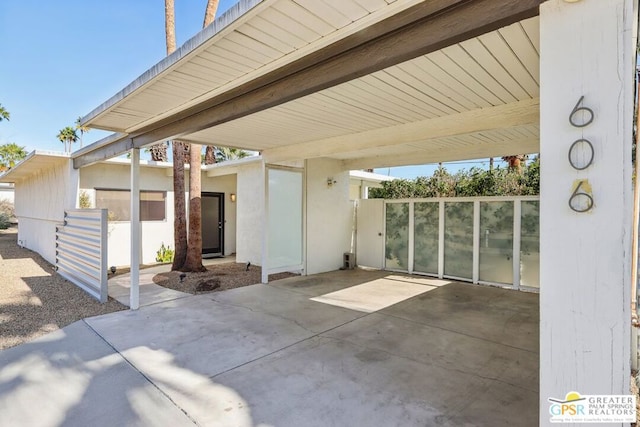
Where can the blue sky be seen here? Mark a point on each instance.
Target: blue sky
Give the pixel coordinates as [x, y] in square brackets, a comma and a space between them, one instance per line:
[62, 59]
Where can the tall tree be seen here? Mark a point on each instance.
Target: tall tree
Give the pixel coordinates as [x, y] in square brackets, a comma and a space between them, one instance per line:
[4, 114]
[209, 14]
[515, 161]
[226, 153]
[10, 154]
[194, 246]
[83, 129]
[159, 151]
[210, 155]
[68, 136]
[178, 150]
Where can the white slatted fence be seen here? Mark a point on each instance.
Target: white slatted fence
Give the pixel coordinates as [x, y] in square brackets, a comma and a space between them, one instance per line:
[81, 250]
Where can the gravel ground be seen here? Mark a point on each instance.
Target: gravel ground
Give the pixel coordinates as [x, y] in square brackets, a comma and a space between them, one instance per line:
[219, 277]
[34, 300]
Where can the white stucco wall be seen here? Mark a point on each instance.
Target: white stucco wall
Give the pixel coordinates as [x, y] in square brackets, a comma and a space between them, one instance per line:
[250, 212]
[329, 215]
[154, 233]
[40, 202]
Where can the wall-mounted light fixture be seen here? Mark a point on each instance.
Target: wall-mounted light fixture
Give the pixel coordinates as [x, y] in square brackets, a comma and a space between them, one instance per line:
[232, 196]
[330, 182]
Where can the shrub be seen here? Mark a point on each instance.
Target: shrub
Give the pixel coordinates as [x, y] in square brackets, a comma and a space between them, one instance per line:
[84, 201]
[164, 254]
[5, 221]
[6, 207]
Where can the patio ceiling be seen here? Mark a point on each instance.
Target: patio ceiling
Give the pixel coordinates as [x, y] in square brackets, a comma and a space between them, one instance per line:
[370, 82]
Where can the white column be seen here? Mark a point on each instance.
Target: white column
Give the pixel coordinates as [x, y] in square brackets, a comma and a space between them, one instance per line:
[440, 239]
[476, 242]
[517, 240]
[134, 296]
[587, 49]
[265, 224]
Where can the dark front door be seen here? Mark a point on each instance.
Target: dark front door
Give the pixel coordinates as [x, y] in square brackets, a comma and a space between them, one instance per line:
[212, 224]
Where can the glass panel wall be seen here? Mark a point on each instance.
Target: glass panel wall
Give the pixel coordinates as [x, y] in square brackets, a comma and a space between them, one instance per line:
[426, 223]
[285, 218]
[496, 242]
[397, 236]
[530, 244]
[458, 239]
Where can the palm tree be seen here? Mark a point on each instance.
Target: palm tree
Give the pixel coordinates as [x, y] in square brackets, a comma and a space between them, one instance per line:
[226, 153]
[82, 128]
[178, 149]
[209, 14]
[67, 135]
[194, 247]
[10, 154]
[4, 114]
[515, 161]
[210, 155]
[159, 151]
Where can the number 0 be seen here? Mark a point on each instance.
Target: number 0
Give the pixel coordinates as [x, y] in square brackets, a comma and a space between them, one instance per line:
[590, 154]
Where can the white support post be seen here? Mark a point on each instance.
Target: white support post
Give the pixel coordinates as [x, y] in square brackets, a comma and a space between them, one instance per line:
[265, 225]
[476, 242]
[383, 243]
[134, 295]
[517, 222]
[587, 49]
[441, 239]
[412, 234]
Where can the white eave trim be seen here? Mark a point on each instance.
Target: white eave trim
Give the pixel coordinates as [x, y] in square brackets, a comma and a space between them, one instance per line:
[191, 46]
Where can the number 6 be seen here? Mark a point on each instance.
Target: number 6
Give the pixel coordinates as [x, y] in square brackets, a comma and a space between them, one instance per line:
[576, 193]
[578, 108]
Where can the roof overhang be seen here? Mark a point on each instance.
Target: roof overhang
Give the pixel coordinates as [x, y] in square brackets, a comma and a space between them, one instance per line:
[372, 83]
[36, 162]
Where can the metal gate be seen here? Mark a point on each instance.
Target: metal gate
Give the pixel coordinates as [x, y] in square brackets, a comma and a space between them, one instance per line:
[81, 250]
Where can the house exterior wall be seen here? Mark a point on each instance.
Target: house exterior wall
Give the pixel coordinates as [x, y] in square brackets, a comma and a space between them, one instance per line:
[329, 215]
[154, 233]
[40, 202]
[250, 214]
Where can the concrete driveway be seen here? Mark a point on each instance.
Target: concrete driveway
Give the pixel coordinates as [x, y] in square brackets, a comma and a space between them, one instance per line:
[347, 348]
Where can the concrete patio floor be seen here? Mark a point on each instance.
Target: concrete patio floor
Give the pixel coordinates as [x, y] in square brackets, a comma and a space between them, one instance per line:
[269, 355]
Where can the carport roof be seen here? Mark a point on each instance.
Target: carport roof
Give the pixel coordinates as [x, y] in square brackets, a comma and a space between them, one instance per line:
[369, 82]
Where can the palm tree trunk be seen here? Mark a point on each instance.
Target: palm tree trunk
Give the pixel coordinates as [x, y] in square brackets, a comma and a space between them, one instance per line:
[209, 155]
[210, 12]
[194, 247]
[209, 15]
[179, 204]
[170, 26]
[179, 207]
[159, 151]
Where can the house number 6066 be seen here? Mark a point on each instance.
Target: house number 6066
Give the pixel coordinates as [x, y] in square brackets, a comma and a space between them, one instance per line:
[580, 156]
